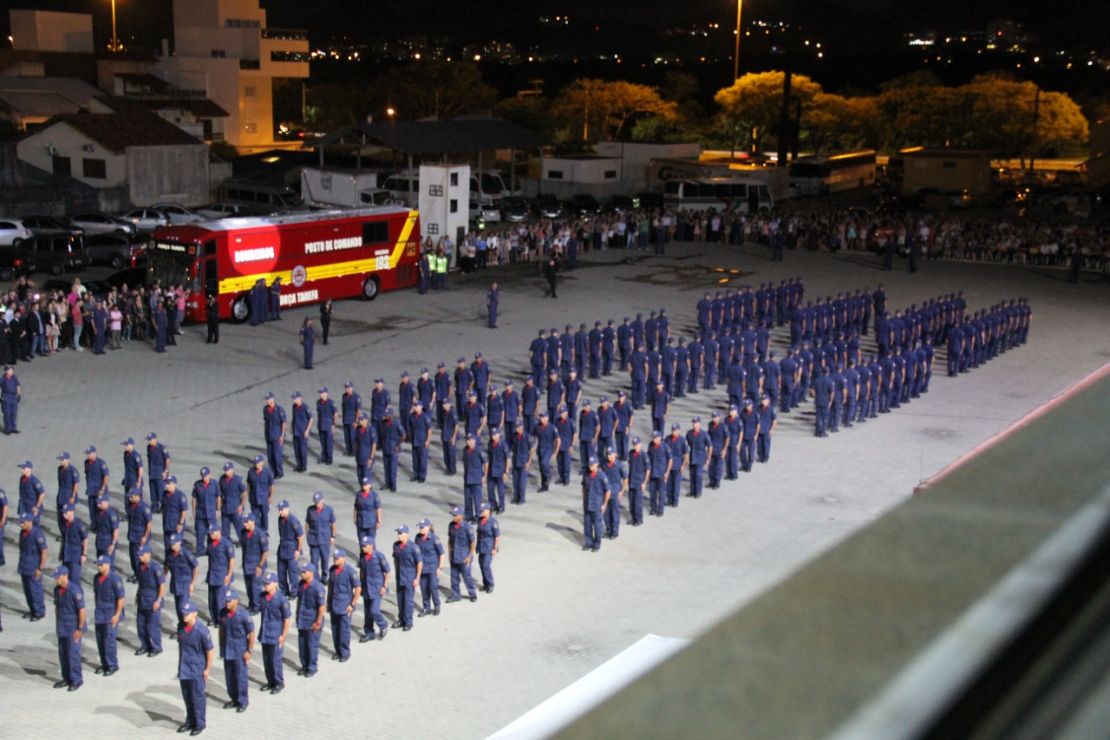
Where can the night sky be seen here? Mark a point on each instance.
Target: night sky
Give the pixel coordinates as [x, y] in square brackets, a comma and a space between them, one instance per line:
[850, 25]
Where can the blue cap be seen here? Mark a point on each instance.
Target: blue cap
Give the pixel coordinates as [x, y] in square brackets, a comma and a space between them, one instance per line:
[171, 479]
[205, 471]
[657, 434]
[104, 560]
[296, 395]
[495, 430]
[635, 440]
[151, 436]
[128, 441]
[63, 456]
[675, 427]
[136, 491]
[259, 458]
[610, 451]
[543, 414]
[318, 496]
[424, 523]
[251, 517]
[269, 395]
[102, 499]
[403, 529]
[456, 511]
[389, 411]
[283, 504]
[68, 508]
[60, 571]
[270, 577]
[733, 407]
[586, 402]
[367, 481]
[593, 460]
[620, 394]
[176, 538]
[424, 371]
[716, 414]
[229, 466]
[440, 365]
[471, 438]
[323, 390]
[25, 464]
[477, 355]
[697, 419]
[484, 507]
[747, 402]
[231, 595]
[90, 450]
[348, 384]
[26, 517]
[461, 359]
[366, 540]
[339, 552]
[561, 409]
[404, 373]
[603, 399]
[308, 568]
[144, 550]
[508, 383]
[189, 608]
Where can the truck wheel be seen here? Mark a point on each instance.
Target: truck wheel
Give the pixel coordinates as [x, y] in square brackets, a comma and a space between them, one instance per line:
[57, 269]
[370, 289]
[240, 309]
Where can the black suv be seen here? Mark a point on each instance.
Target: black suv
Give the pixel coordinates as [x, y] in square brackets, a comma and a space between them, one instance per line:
[55, 252]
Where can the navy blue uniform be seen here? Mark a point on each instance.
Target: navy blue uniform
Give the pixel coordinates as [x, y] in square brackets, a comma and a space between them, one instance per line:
[431, 550]
[236, 631]
[273, 424]
[275, 612]
[194, 643]
[310, 598]
[407, 561]
[68, 604]
[343, 590]
[461, 542]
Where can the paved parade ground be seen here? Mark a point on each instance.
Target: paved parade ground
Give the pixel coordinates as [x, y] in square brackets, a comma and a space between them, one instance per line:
[557, 612]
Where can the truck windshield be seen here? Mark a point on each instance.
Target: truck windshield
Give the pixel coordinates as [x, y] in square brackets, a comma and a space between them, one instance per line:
[171, 264]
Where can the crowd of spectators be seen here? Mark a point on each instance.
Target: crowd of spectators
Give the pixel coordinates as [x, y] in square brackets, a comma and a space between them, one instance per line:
[36, 324]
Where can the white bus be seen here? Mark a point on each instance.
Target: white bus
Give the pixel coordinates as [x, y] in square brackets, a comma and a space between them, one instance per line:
[742, 194]
[832, 174]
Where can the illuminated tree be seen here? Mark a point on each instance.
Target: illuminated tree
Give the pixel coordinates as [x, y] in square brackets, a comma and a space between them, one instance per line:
[598, 108]
[754, 103]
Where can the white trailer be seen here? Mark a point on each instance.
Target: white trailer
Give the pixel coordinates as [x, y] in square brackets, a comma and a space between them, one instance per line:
[332, 187]
[444, 202]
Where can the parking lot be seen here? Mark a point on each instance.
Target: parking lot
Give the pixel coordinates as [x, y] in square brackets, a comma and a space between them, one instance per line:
[557, 612]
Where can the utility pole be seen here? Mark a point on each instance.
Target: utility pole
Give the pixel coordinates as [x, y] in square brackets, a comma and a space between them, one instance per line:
[736, 54]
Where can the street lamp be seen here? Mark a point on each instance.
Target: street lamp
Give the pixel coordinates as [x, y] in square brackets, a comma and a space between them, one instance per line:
[736, 55]
[390, 112]
[114, 44]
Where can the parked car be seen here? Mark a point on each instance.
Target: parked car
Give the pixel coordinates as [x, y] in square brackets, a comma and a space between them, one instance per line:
[146, 220]
[584, 204]
[102, 223]
[39, 224]
[178, 214]
[15, 261]
[112, 249]
[12, 232]
[514, 210]
[55, 252]
[216, 211]
[548, 206]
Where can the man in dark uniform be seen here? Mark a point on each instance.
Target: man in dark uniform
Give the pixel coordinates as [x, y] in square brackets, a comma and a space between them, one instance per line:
[32, 561]
[343, 592]
[236, 642]
[194, 666]
[489, 544]
[255, 544]
[158, 469]
[390, 439]
[637, 475]
[183, 570]
[352, 406]
[206, 508]
[212, 319]
[69, 627]
[327, 416]
[311, 605]
[75, 542]
[149, 598]
[520, 446]
[442, 382]
[319, 522]
[475, 468]
[617, 473]
[106, 527]
[497, 460]
[595, 499]
[462, 544]
[365, 441]
[160, 327]
[68, 478]
[698, 443]
[680, 457]
[273, 428]
[273, 631]
[749, 423]
[290, 547]
[232, 489]
[660, 402]
[420, 426]
[367, 511]
[511, 408]
[275, 299]
[107, 613]
[823, 389]
[11, 393]
[139, 526]
[548, 444]
[260, 488]
[492, 297]
[406, 397]
[221, 569]
[302, 427]
[659, 470]
[408, 563]
[449, 435]
[373, 570]
[768, 420]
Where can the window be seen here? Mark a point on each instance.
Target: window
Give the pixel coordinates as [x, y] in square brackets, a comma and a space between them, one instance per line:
[62, 166]
[610, 174]
[218, 54]
[433, 228]
[554, 174]
[375, 232]
[94, 168]
[436, 191]
[454, 179]
[453, 206]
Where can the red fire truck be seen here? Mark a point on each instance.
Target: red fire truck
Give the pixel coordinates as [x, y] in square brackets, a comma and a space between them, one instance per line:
[319, 255]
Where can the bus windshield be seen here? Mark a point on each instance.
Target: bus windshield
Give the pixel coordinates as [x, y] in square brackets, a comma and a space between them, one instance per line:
[171, 264]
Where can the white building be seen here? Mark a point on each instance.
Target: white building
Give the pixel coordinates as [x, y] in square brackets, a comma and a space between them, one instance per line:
[224, 48]
[133, 158]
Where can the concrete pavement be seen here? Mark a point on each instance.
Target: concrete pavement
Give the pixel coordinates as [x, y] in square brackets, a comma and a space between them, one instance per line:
[557, 612]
